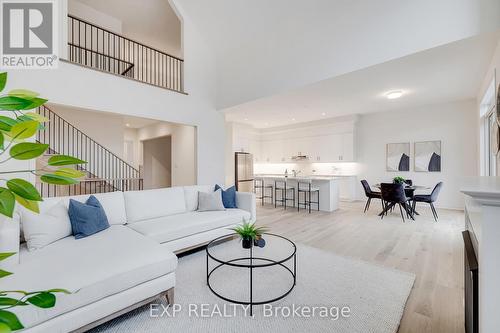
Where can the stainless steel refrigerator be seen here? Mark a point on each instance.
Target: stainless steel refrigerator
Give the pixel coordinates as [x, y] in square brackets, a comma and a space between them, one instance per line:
[243, 169]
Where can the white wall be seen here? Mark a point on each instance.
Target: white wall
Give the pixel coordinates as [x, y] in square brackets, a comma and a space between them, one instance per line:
[106, 129]
[84, 88]
[157, 161]
[131, 134]
[183, 151]
[453, 124]
[87, 13]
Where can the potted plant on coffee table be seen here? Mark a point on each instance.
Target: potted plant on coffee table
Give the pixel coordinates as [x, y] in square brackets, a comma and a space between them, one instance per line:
[250, 235]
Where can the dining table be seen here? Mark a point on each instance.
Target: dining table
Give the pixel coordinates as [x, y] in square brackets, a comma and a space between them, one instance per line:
[409, 192]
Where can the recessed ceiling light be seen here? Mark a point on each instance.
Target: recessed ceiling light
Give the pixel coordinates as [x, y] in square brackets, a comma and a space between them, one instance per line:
[323, 113]
[293, 119]
[246, 119]
[127, 124]
[394, 94]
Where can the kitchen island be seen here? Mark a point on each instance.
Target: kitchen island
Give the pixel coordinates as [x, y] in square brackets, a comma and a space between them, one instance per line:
[328, 188]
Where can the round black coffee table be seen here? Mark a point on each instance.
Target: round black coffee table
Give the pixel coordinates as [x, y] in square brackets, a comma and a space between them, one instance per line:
[227, 252]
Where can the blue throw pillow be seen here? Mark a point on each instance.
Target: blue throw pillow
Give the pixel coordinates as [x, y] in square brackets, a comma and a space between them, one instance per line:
[87, 218]
[228, 196]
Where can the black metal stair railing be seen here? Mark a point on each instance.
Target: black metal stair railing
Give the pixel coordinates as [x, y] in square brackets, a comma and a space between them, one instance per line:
[105, 171]
[100, 48]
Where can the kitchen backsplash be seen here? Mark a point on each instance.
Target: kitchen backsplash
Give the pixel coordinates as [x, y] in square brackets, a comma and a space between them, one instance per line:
[307, 168]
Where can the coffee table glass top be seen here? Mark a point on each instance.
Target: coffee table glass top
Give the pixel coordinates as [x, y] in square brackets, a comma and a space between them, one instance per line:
[277, 249]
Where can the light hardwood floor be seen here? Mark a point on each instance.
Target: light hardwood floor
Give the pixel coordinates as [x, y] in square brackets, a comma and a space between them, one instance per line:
[432, 251]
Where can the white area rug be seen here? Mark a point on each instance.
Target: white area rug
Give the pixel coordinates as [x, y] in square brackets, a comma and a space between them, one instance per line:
[375, 295]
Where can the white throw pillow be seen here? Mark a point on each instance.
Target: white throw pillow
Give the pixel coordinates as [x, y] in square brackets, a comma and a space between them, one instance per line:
[210, 201]
[41, 230]
[9, 240]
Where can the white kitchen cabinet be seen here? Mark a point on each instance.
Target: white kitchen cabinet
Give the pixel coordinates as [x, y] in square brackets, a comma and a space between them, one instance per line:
[322, 148]
[255, 149]
[347, 187]
[329, 148]
[348, 147]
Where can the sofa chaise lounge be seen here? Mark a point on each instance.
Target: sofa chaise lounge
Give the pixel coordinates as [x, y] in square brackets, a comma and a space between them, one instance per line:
[123, 267]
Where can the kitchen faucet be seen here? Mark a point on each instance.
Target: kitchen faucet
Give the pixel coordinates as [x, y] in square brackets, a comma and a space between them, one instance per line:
[295, 173]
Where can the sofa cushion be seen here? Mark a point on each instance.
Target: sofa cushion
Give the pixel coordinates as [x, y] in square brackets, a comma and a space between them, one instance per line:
[87, 218]
[109, 262]
[9, 240]
[228, 196]
[191, 195]
[45, 228]
[210, 201]
[168, 228]
[112, 202]
[143, 205]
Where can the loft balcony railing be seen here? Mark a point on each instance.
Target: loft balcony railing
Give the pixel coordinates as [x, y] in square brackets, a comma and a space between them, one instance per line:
[92, 46]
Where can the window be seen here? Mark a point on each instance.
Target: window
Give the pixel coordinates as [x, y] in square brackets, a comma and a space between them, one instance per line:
[488, 120]
[492, 158]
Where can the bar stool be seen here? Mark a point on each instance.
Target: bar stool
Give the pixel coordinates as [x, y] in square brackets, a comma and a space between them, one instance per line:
[261, 186]
[281, 186]
[308, 190]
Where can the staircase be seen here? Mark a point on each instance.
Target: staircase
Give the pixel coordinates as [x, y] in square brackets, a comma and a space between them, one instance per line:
[105, 171]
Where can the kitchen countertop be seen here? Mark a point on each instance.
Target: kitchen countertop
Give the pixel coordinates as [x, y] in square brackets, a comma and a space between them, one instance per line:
[305, 177]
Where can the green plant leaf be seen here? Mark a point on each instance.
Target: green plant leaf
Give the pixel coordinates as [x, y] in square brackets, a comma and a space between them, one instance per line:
[60, 160]
[28, 204]
[7, 202]
[57, 180]
[28, 118]
[23, 93]
[11, 320]
[43, 300]
[5, 255]
[12, 103]
[4, 273]
[35, 102]
[27, 150]
[37, 117]
[3, 80]
[6, 123]
[24, 130]
[4, 328]
[68, 172]
[24, 189]
[59, 290]
[1, 141]
[11, 301]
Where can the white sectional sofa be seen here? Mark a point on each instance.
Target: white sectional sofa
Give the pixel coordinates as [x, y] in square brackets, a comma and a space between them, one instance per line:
[124, 266]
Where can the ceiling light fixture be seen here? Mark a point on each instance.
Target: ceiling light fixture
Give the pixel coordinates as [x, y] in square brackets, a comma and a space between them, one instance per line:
[323, 113]
[127, 124]
[293, 119]
[394, 94]
[246, 119]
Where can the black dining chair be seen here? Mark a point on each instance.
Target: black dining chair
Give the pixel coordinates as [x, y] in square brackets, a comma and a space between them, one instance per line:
[409, 182]
[370, 194]
[429, 198]
[394, 194]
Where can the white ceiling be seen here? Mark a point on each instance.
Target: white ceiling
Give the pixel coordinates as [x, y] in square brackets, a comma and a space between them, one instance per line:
[266, 47]
[152, 22]
[443, 74]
